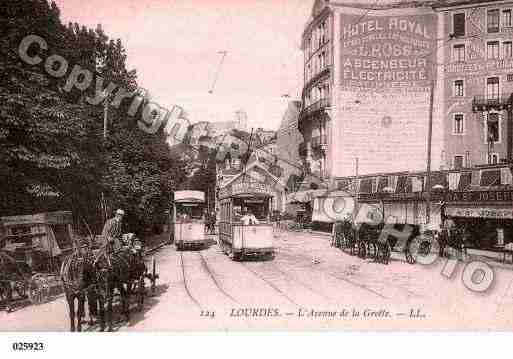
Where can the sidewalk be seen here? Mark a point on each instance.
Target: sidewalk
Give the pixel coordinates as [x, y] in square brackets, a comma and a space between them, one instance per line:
[155, 242]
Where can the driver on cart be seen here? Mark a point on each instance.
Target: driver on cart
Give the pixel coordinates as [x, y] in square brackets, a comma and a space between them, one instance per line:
[112, 232]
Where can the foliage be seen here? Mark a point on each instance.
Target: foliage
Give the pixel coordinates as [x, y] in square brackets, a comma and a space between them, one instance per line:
[53, 152]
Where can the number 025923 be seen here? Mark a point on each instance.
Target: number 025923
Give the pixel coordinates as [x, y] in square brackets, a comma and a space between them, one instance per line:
[24, 346]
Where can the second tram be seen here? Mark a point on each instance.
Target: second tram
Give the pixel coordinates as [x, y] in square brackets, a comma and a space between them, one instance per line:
[188, 219]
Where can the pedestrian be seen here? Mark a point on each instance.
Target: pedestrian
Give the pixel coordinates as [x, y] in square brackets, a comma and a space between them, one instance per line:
[112, 231]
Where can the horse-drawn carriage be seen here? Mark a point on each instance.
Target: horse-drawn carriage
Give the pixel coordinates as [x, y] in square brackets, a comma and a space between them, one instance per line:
[95, 274]
[377, 240]
[32, 248]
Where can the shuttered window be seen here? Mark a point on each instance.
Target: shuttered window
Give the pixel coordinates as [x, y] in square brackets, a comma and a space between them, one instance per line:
[459, 25]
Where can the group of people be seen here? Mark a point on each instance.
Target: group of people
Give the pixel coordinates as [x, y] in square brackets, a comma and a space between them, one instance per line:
[113, 239]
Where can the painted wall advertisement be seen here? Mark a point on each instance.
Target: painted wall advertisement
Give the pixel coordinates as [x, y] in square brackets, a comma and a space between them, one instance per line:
[388, 52]
[387, 64]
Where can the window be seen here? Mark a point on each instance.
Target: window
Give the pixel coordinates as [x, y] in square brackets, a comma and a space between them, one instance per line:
[492, 49]
[458, 162]
[509, 77]
[493, 158]
[507, 50]
[458, 53]
[458, 126]
[493, 21]
[506, 18]
[492, 88]
[492, 128]
[458, 25]
[458, 88]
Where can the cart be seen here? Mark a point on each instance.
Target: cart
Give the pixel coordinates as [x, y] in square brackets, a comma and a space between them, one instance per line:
[30, 256]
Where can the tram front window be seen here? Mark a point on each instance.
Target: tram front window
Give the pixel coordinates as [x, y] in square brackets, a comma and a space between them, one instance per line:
[186, 212]
[259, 208]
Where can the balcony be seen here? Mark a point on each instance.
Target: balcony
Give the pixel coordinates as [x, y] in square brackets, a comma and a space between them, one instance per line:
[319, 142]
[325, 72]
[486, 103]
[316, 109]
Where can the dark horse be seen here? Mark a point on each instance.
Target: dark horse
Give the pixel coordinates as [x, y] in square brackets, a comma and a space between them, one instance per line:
[79, 281]
[113, 272]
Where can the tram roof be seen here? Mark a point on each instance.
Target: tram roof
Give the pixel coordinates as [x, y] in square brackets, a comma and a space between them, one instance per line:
[189, 196]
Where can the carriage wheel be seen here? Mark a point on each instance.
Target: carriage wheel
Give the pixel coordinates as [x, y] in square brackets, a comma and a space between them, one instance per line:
[386, 253]
[362, 250]
[6, 295]
[21, 289]
[409, 257]
[372, 250]
[354, 248]
[38, 290]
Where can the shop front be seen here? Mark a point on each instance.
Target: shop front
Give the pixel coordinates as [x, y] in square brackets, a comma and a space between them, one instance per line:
[483, 217]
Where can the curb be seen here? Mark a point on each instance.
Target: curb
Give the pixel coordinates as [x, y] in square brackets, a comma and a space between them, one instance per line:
[156, 248]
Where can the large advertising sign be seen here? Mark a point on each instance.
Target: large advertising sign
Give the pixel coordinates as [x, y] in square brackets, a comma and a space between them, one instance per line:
[388, 52]
[387, 64]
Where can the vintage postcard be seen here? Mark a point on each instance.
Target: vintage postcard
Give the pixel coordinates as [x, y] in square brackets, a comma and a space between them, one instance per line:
[226, 165]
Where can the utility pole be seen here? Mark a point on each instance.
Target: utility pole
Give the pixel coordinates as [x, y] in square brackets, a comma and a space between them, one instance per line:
[430, 136]
[105, 124]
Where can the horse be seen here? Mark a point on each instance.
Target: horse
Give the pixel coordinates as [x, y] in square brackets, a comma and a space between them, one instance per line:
[113, 272]
[79, 281]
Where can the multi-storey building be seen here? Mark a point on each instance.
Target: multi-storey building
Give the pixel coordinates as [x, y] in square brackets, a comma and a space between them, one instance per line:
[478, 82]
[372, 70]
[404, 84]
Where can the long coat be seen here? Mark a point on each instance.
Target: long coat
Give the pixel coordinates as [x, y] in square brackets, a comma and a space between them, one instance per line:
[112, 231]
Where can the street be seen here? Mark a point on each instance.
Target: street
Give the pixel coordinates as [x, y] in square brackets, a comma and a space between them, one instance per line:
[309, 285]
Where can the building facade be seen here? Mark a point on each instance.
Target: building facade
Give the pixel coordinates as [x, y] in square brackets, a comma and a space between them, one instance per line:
[379, 78]
[478, 83]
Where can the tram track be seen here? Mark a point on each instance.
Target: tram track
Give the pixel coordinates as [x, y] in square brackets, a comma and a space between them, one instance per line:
[340, 278]
[302, 283]
[270, 284]
[208, 270]
[187, 290]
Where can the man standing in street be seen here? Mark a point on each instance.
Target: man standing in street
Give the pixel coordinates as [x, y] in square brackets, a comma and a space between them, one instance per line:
[112, 231]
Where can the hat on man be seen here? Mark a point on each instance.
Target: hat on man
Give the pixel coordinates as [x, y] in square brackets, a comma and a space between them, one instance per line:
[120, 211]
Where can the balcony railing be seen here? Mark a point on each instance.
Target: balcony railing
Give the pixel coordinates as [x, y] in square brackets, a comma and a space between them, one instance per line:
[319, 141]
[498, 102]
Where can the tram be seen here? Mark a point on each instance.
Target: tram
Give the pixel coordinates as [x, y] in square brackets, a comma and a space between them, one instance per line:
[238, 237]
[188, 219]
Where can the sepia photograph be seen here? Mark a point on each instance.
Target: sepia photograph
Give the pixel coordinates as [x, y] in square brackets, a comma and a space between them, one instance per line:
[255, 165]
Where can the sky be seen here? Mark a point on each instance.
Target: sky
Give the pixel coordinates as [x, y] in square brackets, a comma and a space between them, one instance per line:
[174, 46]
